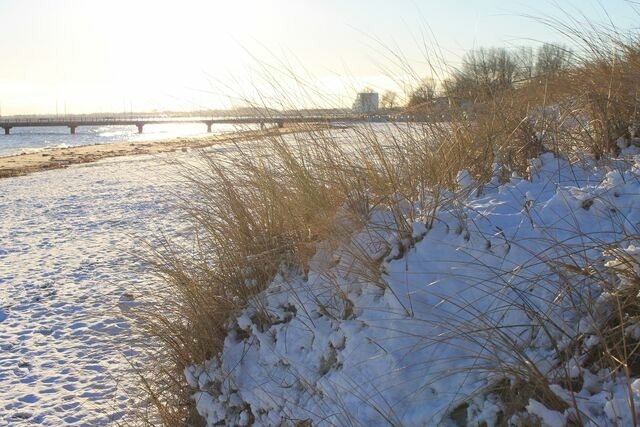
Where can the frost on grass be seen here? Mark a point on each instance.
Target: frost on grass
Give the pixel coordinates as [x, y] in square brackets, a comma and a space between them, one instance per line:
[509, 307]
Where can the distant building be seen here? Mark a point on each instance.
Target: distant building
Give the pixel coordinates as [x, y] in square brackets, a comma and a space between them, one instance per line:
[366, 103]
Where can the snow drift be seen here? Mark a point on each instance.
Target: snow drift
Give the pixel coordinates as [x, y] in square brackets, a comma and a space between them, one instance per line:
[505, 304]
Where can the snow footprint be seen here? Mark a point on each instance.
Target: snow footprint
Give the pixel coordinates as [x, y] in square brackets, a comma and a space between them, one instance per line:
[29, 398]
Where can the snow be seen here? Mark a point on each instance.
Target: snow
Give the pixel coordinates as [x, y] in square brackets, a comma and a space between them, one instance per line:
[71, 278]
[68, 276]
[411, 341]
[548, 417]
[434, 326]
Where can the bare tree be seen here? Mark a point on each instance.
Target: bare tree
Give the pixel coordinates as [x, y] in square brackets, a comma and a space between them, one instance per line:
[389, 99]
[425, 92]
[485, 72]
[524, 59]
[552, 59]
[489, 69]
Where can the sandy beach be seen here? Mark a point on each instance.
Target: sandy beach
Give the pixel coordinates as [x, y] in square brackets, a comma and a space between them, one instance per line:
[71, 278]
[56, 158]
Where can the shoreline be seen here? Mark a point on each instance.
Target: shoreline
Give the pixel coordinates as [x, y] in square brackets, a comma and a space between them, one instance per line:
[58, 158]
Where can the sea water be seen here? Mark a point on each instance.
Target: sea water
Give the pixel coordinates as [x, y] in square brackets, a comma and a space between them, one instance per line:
[25, 140]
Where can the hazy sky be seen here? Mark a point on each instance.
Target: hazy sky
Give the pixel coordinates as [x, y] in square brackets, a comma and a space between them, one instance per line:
[117, 55]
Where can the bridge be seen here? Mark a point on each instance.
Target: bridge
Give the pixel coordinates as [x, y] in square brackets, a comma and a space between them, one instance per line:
[74, 122]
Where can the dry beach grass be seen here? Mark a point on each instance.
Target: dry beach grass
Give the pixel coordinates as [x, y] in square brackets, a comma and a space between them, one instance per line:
[271, 211]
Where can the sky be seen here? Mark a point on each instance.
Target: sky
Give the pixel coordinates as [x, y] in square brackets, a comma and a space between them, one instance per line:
[81, 56]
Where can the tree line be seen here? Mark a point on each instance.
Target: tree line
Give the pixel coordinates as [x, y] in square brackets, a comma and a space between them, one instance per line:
[485, 72]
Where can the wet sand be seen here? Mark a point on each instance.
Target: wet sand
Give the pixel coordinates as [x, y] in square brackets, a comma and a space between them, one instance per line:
[56, 158]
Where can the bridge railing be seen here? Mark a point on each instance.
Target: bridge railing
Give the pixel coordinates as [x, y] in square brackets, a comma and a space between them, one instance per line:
[79, 120]
[83, 119]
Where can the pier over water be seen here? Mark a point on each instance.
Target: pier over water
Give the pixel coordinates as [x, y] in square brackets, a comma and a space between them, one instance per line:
[74, 122]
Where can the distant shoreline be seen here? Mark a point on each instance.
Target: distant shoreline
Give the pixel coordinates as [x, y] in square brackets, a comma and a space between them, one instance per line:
[58, 158]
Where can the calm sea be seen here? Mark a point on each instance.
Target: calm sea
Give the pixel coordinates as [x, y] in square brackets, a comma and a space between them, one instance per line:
[24, 140]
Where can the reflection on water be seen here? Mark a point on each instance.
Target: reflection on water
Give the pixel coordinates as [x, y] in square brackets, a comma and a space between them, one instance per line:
[22, 140]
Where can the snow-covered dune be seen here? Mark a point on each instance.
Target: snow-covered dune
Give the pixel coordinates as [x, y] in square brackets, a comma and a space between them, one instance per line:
[504, 289]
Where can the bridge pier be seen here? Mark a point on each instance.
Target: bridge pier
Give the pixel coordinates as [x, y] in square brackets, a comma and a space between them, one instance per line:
[73, 129]
[208, 126]
[7, 130]
[139, 126]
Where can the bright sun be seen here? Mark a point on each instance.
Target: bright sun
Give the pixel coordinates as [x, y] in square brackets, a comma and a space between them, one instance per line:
[157, 53]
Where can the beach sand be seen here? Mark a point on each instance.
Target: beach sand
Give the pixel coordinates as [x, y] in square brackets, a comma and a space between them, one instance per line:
[55, 158]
